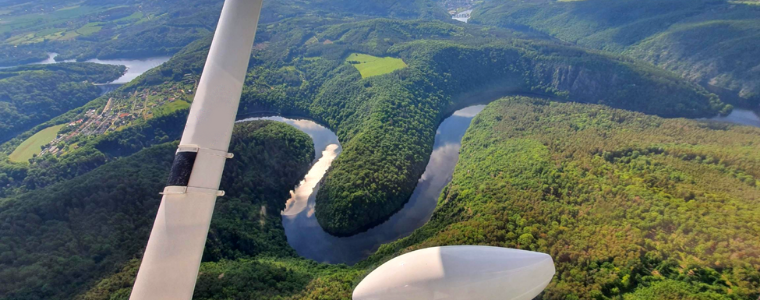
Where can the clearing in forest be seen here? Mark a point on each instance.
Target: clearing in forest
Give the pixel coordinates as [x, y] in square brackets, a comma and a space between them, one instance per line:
[32, 145]
[369, 65]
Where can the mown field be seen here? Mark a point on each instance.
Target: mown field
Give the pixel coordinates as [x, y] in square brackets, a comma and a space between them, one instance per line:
[31, 146]
[369, 65]
[171, 107]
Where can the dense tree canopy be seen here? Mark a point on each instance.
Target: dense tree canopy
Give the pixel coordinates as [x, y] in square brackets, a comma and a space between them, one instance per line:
[625, 203]
[386, 123]
[629, 205]
[57, 240]
[136, 29]
[31, 95]
[705, 41]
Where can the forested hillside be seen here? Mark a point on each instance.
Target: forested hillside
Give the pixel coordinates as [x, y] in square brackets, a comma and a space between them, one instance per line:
[32, 95]
[706, 41]
[625, 203]
[57, 240]
[133, 29]
[102, 29]
[387, 123]
[630, 206]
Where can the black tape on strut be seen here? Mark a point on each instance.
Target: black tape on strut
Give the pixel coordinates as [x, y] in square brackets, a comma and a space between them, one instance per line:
[182, 168]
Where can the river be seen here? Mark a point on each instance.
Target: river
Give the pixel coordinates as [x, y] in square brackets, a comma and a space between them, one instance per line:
[49, 60]
[740, 116]
[305, 234]
[135, 67]
[303, 231]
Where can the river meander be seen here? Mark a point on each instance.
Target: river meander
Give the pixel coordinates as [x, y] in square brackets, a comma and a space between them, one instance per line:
[305, 234]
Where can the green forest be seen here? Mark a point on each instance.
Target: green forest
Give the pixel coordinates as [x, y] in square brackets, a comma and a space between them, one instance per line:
[630, 206]
[386, 123]
[57, 239]
[705, 41]
[32, 95]
[110, 29]
[593, 164]
[627, 204]
[101, 29]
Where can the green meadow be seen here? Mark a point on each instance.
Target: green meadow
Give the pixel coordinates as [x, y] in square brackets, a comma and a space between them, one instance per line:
[32, 145]
[170, 107]
[369, 65]
[89, 29]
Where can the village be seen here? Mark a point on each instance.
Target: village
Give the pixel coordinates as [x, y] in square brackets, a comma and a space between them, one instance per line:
[122, 110]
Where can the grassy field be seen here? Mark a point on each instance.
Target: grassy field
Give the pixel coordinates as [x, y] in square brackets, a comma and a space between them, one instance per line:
[369, 65]
[170, 107]
[32, 145]
[35, 27]
[133, 17]
[89, 29]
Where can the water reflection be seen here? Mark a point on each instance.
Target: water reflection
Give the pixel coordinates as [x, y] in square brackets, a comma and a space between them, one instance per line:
[326, 147]
[299, 199]
[310, 241]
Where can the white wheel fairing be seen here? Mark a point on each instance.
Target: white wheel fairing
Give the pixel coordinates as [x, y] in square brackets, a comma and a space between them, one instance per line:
[459, 272]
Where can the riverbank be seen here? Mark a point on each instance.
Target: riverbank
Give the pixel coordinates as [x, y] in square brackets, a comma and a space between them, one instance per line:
[308, 238]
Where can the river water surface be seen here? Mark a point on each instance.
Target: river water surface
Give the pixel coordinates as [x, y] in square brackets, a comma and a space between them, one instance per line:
[135, 67]
[305, 234]
[741, 117]
[49, 60]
